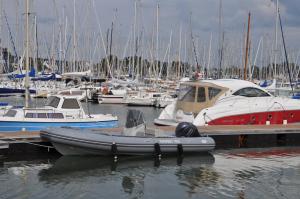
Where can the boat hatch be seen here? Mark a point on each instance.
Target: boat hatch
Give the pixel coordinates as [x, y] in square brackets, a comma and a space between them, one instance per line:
[195, 96]
[45, 115]
[10, 113]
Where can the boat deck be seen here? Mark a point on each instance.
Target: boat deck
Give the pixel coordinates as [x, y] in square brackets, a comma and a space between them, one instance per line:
[225, 136]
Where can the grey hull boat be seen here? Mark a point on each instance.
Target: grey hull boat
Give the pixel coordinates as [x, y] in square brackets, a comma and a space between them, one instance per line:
[133, 140]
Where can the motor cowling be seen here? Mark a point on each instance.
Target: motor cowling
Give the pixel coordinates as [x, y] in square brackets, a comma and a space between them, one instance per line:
[186, 129]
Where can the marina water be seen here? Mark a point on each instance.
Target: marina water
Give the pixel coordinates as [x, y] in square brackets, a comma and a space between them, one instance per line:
[259, 173]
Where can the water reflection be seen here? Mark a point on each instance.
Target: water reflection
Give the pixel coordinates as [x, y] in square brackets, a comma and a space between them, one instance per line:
[195, 179]
[131, 171]
[19, 161]
[258, 171]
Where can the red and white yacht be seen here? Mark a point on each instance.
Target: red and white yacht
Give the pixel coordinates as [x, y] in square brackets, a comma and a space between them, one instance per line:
[228, 102]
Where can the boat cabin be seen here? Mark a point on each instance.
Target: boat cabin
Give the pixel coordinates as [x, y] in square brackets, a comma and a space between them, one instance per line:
[57, 107]
[195, 96]
[63, 102]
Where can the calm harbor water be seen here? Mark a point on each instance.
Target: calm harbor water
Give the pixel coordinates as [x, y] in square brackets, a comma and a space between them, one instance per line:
[238, 173]
[250, 173]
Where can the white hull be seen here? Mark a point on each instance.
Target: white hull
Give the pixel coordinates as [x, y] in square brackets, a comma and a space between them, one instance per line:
[111, 99]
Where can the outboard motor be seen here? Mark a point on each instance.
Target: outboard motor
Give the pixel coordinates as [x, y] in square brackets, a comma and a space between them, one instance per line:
[186, 129]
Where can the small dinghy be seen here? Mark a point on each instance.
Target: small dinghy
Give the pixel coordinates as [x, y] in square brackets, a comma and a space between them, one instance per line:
[135, 139]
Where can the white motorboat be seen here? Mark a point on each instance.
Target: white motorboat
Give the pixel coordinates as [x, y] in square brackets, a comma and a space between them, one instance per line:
[111, 99]
[143, 98]
[59, 111]
[114, 96]
[228, 102]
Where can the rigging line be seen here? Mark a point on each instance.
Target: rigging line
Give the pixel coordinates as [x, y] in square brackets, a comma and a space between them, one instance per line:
[11, 38]
[285, 52]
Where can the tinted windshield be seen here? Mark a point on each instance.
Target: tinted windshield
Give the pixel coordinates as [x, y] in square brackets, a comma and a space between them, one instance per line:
[251, 92]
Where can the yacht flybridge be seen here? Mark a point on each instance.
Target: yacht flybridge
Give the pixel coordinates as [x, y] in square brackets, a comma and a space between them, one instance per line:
[228, 102]
[59, 111]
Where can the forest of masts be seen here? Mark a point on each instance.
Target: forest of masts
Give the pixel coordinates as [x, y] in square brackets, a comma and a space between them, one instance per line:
[141, 51]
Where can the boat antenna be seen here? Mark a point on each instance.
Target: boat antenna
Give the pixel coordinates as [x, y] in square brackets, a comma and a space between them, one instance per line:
[285, 52]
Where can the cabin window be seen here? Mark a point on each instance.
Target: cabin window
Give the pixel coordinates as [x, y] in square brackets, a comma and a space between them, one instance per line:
[36, 115]
[201, 94]
[42, 115]
[55, 115]
[213, 92]
[187, 93]
[10, 113]
[45, 115]
[70, 104]
[30, 115]
[53, 101]
[156, 95]
[251, 92]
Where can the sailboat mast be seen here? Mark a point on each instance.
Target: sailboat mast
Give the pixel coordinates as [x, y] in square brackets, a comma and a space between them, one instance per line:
[247, 47]
[65, 44]
[179, 53]
[36, 43]
[157, 26]
[1, 55]
[134, 38]
[27, 57]
[221, 40]
[276, 41]
[74, 36]
[209, 56]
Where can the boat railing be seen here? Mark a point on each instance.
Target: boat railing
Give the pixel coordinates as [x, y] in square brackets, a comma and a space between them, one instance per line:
[38, 109]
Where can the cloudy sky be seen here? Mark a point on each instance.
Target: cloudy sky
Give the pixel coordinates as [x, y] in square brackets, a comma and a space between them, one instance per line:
[175, 16]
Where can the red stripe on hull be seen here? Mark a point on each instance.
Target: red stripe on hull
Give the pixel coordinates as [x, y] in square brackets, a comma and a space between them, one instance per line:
[260, 118]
